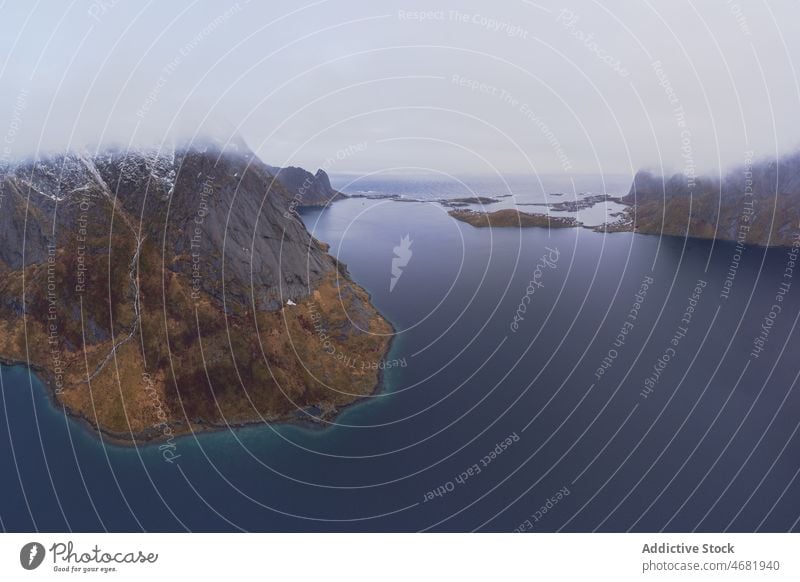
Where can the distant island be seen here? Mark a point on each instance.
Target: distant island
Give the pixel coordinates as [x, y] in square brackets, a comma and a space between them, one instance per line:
[757, 203]
[510, 217]
[466, 201]
[162, 292]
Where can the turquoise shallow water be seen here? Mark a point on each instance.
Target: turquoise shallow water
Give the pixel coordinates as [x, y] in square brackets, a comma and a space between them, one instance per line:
[712, 446]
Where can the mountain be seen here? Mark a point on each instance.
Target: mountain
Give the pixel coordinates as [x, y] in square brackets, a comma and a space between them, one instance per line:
[307, 189]
[757, 203]
[159, 292]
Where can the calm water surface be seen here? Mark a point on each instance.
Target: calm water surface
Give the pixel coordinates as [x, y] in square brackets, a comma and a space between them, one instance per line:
[710, 445]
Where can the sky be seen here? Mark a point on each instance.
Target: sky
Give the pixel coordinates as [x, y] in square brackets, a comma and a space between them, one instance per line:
[461, 87]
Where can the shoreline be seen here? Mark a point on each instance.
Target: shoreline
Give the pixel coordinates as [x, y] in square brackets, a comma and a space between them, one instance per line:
[132, 440]
[605, 228]
[139, 440]
[311, 418]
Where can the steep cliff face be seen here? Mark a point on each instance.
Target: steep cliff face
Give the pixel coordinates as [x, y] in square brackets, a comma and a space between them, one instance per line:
[306, 189]
[166, 291]
[225, 207]
[758, 203]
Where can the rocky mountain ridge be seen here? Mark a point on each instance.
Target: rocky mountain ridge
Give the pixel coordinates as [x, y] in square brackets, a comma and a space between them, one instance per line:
[307, 189]
[175, 288]
[757, 203]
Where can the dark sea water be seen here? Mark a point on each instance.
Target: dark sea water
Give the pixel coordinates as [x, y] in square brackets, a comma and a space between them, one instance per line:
[512, 429]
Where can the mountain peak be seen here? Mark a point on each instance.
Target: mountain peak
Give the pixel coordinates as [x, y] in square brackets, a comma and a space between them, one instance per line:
[131, 256]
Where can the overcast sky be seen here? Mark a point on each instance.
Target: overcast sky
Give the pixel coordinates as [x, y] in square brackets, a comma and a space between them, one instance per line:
[466, 87]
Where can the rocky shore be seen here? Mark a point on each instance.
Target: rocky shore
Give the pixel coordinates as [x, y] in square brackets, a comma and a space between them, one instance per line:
[158, 293]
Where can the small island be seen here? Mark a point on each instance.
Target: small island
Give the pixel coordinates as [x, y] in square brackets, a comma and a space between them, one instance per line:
[458, 202]
[576, 205]
[510, 217]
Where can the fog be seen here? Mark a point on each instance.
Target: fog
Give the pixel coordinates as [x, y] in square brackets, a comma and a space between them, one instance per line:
[460, 87]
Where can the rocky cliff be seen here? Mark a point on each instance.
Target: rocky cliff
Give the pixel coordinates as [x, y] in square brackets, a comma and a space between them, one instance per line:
[306, 189]
[160, 292]
[757, 203]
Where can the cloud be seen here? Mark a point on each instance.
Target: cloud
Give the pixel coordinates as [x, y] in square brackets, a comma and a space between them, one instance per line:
[302, 82]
